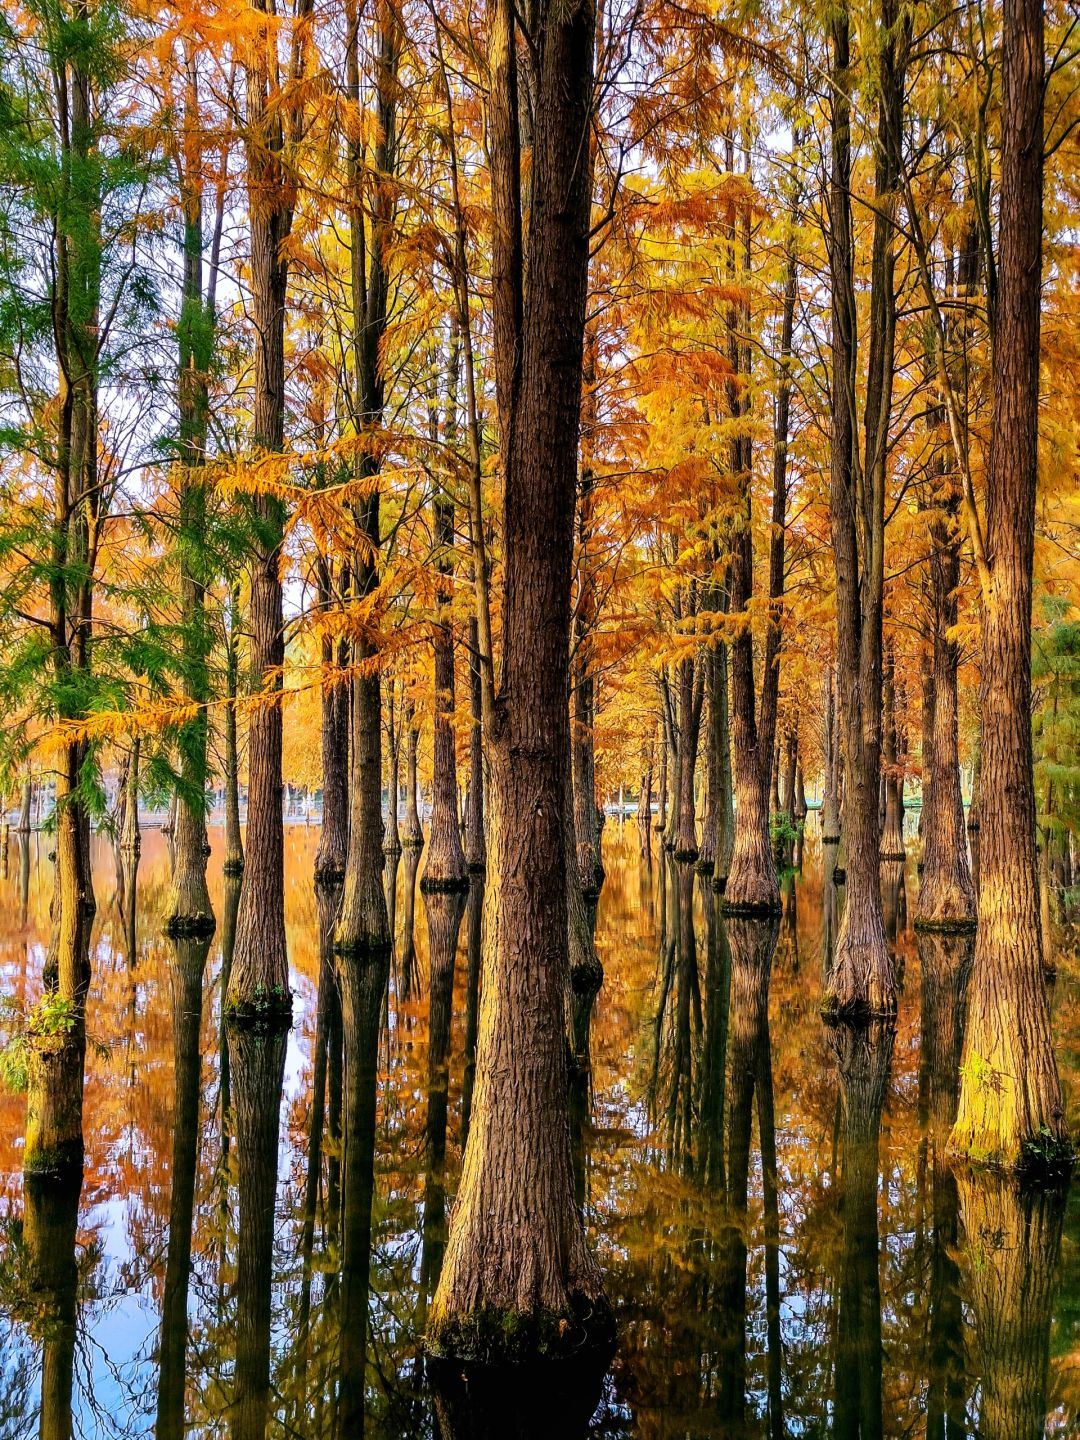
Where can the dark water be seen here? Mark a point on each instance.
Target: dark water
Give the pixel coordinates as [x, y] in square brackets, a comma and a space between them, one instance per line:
[785, 1247]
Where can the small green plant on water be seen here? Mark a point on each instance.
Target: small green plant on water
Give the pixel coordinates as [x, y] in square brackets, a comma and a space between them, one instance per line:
[782, 829]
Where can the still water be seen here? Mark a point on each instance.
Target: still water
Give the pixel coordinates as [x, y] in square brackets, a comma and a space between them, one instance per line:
[785, 1247]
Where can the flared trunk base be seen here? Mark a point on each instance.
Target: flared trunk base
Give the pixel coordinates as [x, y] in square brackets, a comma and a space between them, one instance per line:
[580, 1332]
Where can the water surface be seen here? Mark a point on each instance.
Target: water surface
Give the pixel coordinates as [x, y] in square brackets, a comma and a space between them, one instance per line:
[785, 1246]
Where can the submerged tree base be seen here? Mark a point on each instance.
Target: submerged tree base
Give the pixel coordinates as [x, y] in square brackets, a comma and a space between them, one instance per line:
[581, 1333]
[704, 866]
[750, 909]
[190, 927]
[269, 1008]
[329, 876]
[961, 925]
[233, 866]
[445, 884]
[686, 854]
[855, 1013]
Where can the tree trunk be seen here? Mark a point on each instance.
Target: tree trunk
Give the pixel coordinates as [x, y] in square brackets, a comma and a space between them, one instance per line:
[475, 840]
[830, 800]
[259, 980]
[861, 981]
[517, 1276]
[362, 924]
[334, 838]
[413, 834]
[691, 692]
[234, 845]
[892, 835]
[444, 913]
[1011, 1111]
[444, 863]
[130, 839]
[946, 894]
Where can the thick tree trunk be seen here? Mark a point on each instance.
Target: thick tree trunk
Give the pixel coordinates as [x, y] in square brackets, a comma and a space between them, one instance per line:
[830, 801]
[517, 1276]
[861, 981]
[1011, 1111]
[259, 980]
[444, 862]
[186, 982]
[946, 894]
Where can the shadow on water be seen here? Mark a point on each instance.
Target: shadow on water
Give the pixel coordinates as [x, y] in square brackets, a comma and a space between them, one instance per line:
[255, 1243]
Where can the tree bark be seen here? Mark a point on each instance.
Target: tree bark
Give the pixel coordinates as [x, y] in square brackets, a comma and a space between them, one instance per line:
[413, 834]
[946, 894]
[517, 1275]
[234, 845]
[892, 834]
[444, 862]
[861, 981]
[49, 1229]
[475, 839]
[1011, 1111]
[334, 837]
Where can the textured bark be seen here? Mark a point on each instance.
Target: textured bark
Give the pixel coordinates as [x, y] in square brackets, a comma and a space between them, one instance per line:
[413, 834]
[444, 862]
[474, 930]
[130, 839]
[49, 1229]
[752, 887]
[861, 980]
[863, 1057]
[1010, 1096]
[517, 1272]
[334, 838]
[362, 922]
[893, 898]
[946, 894]
[186, 982]
[690, 679]
[892, 833]
[363, 988]
[260, 973]
[475, 839]
[830, 802]
[234, 845]
[583, 687]
[1010, 1250]
[410, 970]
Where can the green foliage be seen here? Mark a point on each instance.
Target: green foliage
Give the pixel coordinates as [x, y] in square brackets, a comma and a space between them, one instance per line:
[1055, 673]
[53, 1018]
[783, 830]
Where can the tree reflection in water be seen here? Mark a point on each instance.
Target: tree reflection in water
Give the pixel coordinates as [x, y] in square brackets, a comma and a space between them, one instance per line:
[263, 1217]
